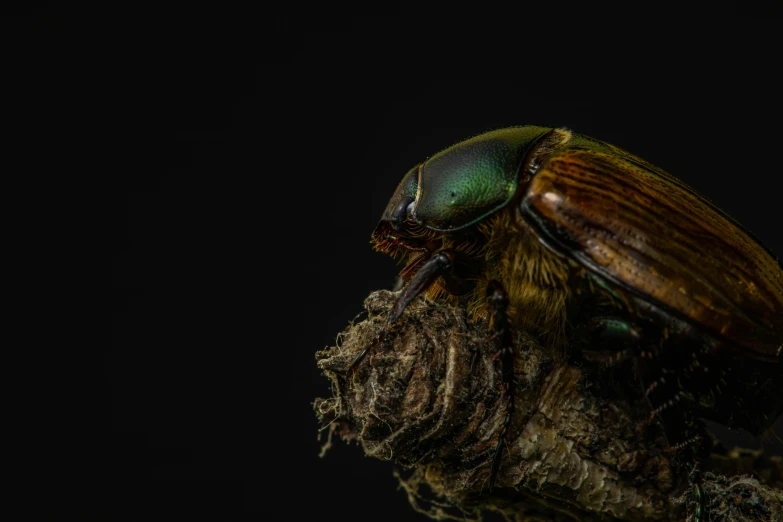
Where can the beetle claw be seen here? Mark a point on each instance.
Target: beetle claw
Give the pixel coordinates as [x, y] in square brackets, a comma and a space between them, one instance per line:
[378, 340]
[442, 262]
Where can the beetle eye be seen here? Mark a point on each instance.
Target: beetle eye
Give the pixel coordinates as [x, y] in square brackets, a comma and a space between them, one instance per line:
[401, 212]
[409, 210]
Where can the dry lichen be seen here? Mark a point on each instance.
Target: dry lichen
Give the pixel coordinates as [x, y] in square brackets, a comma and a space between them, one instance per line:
[576, 450]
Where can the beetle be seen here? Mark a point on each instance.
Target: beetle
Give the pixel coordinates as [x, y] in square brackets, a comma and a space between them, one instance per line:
[570, 237]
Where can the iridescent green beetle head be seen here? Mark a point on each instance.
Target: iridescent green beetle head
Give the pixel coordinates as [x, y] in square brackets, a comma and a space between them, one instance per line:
[463, 184]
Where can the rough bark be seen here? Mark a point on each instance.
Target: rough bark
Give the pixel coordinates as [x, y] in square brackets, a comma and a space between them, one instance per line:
[578, 448]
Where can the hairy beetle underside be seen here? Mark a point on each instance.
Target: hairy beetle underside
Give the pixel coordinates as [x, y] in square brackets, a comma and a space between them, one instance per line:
[499, 248]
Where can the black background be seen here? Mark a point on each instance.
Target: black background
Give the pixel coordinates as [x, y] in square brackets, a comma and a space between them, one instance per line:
[244, 165]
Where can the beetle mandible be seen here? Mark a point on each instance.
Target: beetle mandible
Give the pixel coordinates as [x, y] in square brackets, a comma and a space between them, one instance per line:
[555, 232]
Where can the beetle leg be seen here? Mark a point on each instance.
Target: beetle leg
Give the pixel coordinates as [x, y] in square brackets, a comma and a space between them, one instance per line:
[696, 449]
[699, 495]
[684, 444]
[675, 400]
[438, 265]
[504, 342]
[661, 382]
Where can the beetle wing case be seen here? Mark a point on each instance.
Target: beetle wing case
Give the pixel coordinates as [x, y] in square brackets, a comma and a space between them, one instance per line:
[643, 229]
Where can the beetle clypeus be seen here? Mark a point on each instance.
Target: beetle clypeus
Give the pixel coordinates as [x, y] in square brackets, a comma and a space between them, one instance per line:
[570, 237]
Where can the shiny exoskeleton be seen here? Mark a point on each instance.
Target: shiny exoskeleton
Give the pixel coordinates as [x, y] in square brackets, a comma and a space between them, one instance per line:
[572, 238]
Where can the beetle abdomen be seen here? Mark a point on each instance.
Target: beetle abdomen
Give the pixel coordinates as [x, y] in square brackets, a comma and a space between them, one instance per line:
[647, 232]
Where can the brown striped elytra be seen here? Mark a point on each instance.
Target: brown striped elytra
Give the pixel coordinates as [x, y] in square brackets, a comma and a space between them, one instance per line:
[638, 227]
[574, 239]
